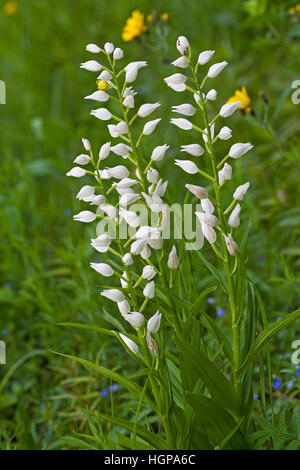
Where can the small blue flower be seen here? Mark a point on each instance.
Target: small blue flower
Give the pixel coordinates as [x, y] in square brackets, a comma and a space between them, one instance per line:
[42, 405]
[220, 312]
[114, 387]
[8, 285]
[298, 366]
[290, 384]
[277, 383]
[255, 396]
[5, 332]
[104, 393]
[211, 300]
[298, 373]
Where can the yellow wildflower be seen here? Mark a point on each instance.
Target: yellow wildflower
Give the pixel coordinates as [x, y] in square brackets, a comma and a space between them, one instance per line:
[102, 84]
[10, 8]
[149, 18]
[297, 7]
[241, 95]
[134, 26]
[165, 16]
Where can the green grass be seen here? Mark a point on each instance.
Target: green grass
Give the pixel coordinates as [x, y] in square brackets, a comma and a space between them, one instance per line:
[44, 269]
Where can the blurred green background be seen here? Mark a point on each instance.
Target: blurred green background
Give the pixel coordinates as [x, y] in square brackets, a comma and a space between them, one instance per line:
[44, 271]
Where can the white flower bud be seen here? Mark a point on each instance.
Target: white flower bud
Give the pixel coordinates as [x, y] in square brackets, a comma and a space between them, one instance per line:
[216, 69]
[207, 206]
[138, 246]
[193, 149]
[229, 108]
[225, 173]
[91, 66]
[237, 150]
[128, 198]
[130, 217]
[135, 319]
[126, 183]
[85, 216]
[147, 109]
[225, 133]
[153, 323]
[188, 166]
[102, 268]
[241, 191]
[208, 232]
[98, 95]
[152, 345]
[121, 149]
[118, 54]
[150, 126]
[119, 172]
[86, 144]
[101, 113]
[207, 218]
[96, 200]
[185, 109]
[146, 252]
[110, 211]
[108, 47]
[181, 62]
[159, 152]
[152, 176]
[128, 102]
[148, 273]
[85, 192]
[149, 290]
[113, 294]
[198, 191]
[234, 218]
[182, 123]
[105, 76]
[77, 172]
[123, 307]
[113, 130]
[232, 246]
[101, 243]
[82, 159]
[127, 259]
[211, 95]
[122, 128]
[177, 86]
[93, 48]
[175, 79]
[173, 261]
[130, 344]
[132, 70]
[182, 44]
[205, 57]
[104, 151]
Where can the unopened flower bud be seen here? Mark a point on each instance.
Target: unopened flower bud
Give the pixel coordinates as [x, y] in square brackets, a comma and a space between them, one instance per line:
[85, 216]
[153, 324]
[130, 344]
[149, 290]
[232, 246]
[148, 273]
[188, 166]
[127, 259]
[198, 191]
[216, 69]
[173, 261]
[193, 149]
[103, 269]
[234, 218]
[113, 294]
[118, 53]
[182, 44]
[135, 319]
[237, 150]
[241, 191]
[205, 57]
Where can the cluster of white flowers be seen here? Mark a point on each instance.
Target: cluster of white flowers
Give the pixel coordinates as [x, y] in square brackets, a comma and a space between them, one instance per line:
[221, 171]
[130, 182]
